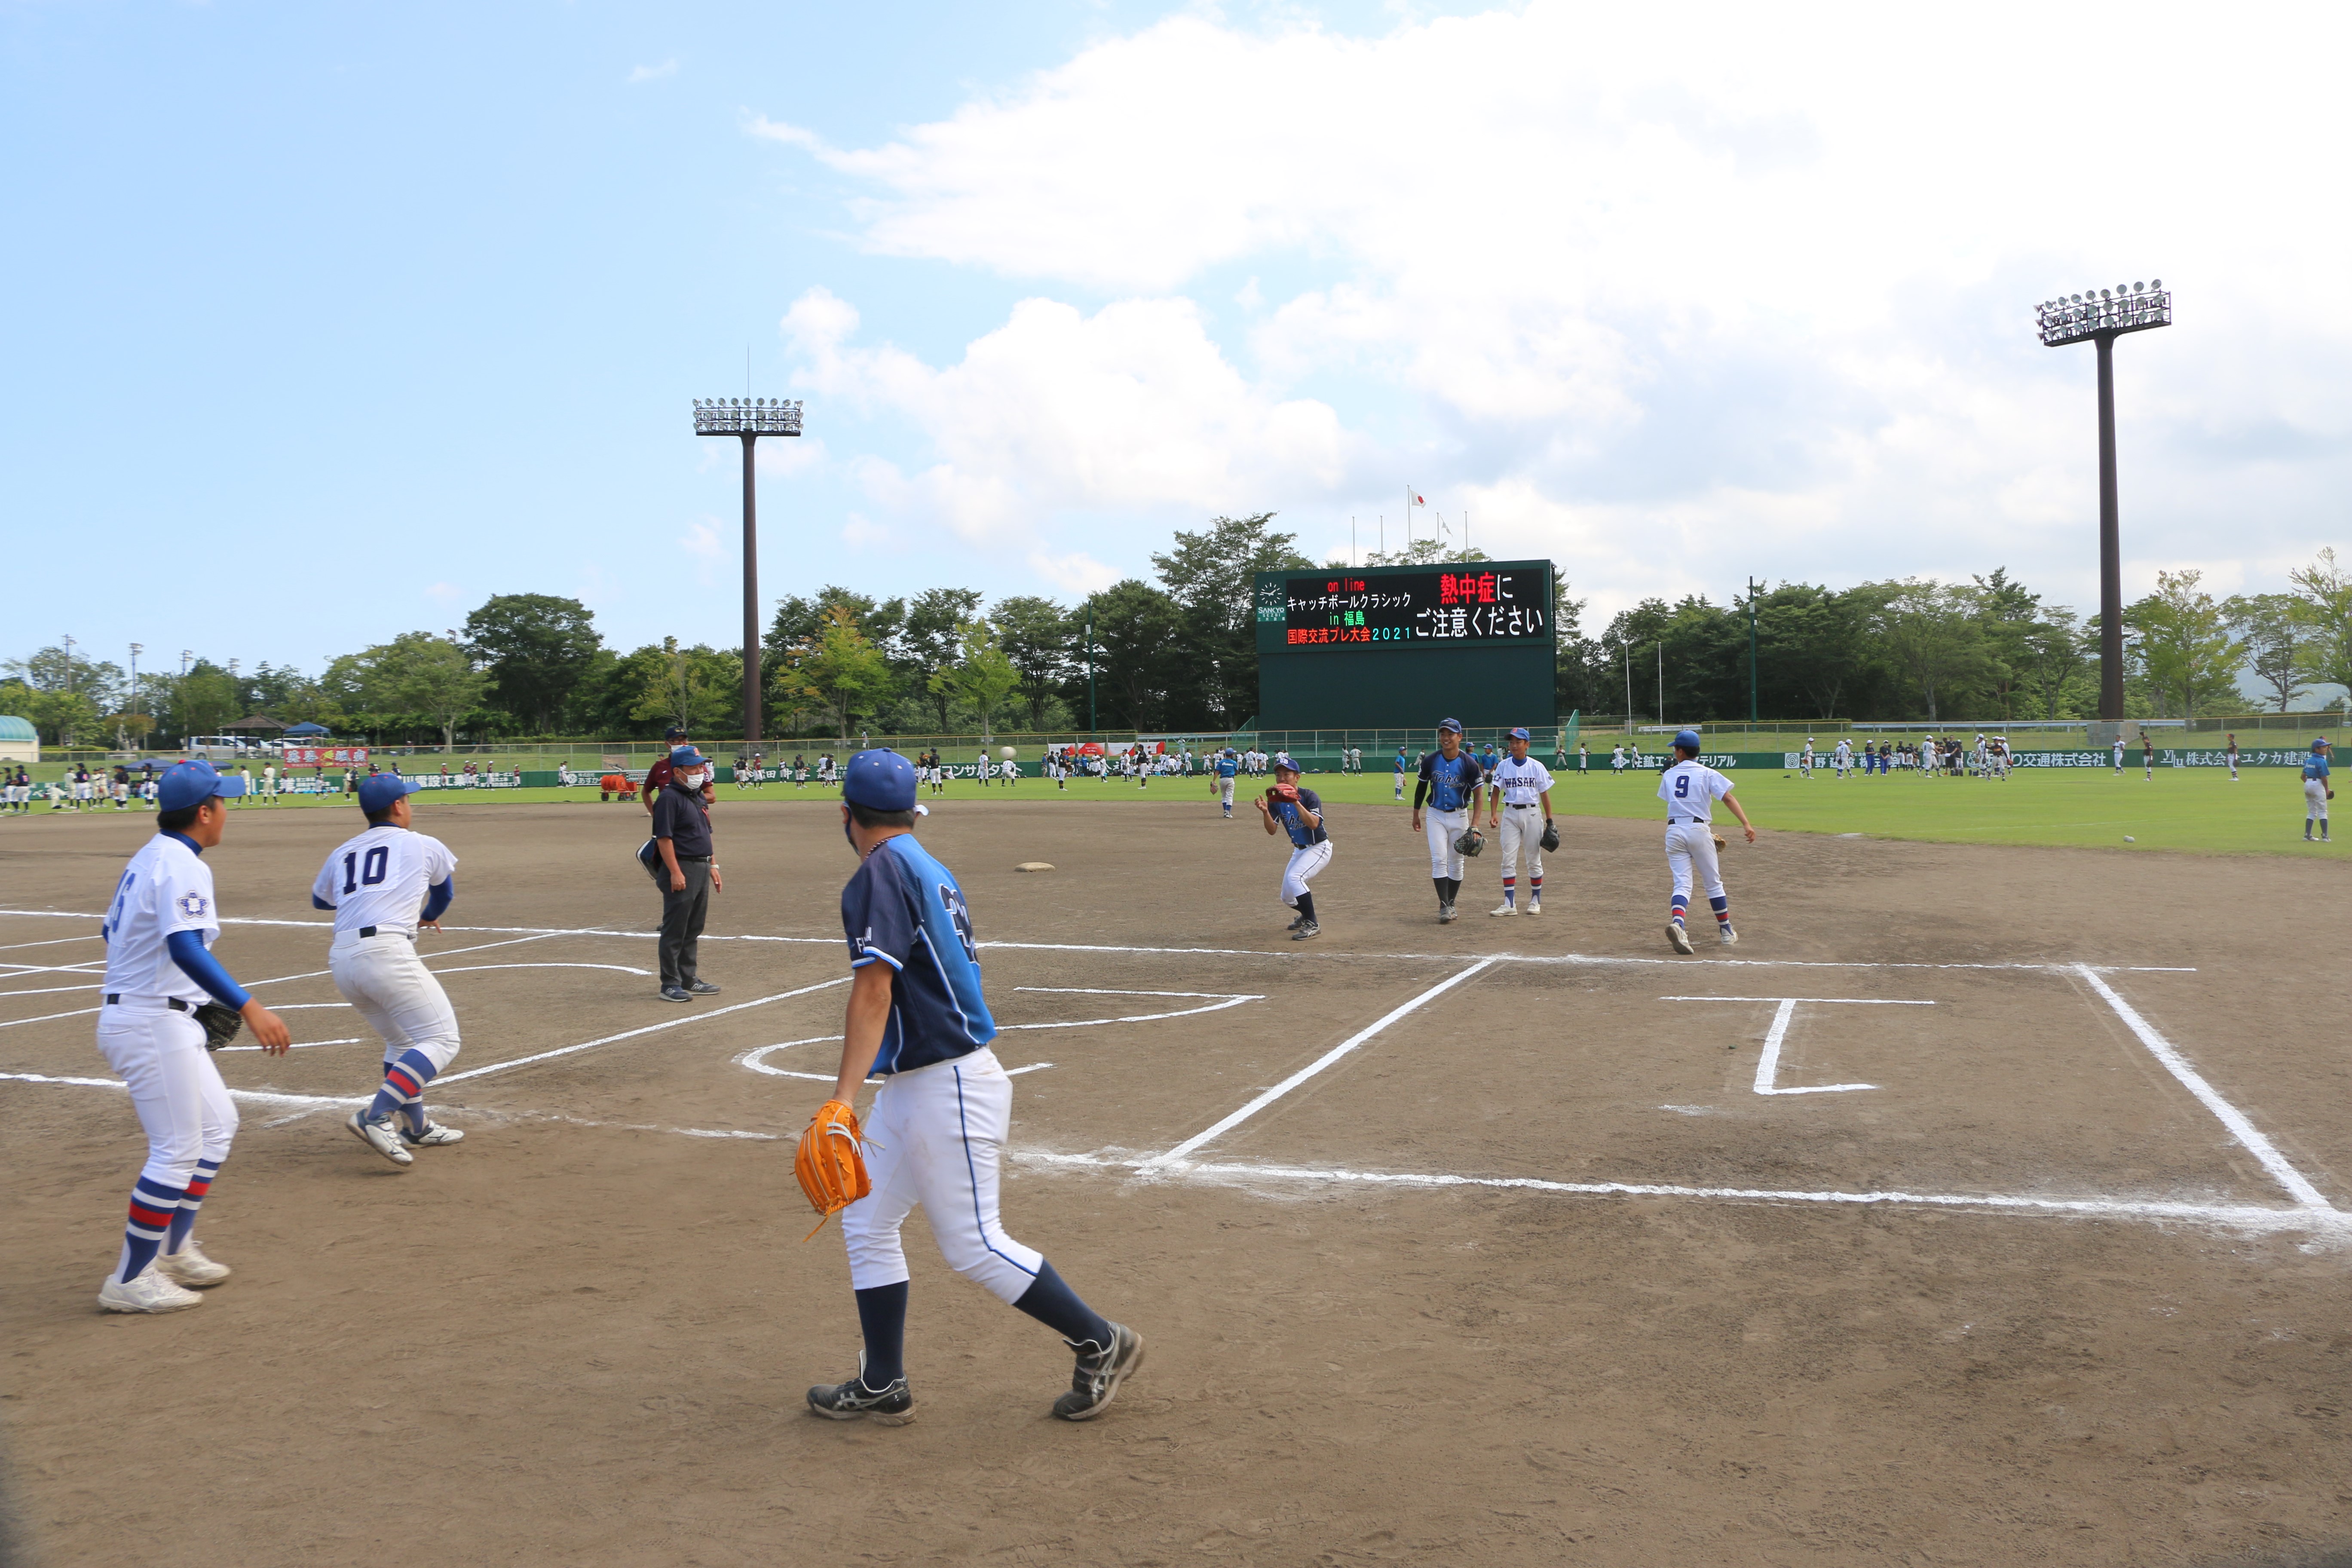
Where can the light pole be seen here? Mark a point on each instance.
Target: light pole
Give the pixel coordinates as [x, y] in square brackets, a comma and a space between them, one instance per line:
[2102, 316]
[67, 735]
[749, 418]
[1091, 725]
[136, 650]
[1753, 587]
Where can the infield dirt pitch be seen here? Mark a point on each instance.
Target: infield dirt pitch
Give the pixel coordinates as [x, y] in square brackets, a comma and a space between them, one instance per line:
[584, 1336]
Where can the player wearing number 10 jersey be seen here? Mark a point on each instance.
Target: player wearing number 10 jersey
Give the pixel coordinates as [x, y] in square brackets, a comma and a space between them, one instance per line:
[382, 886]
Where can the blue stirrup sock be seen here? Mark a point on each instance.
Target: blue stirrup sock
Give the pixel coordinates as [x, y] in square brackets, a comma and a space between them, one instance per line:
[152, 1205]
[404, 1090]
[1722, 908]
[1058, 1306]
[183, 1219]
[1674, 910]
[882, 1319]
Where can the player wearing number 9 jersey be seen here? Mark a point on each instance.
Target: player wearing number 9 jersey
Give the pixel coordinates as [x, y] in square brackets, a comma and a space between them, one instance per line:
[1691, 790]
[382, 886]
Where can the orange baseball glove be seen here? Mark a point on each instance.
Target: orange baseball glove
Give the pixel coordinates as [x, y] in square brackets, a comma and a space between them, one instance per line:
[830, 1170]
[1284, 791]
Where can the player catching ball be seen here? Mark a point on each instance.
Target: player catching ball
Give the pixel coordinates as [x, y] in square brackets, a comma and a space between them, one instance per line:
[1690, 789]
[940, 1118]
[168, 1004]
[1288, 808]
[382, 886]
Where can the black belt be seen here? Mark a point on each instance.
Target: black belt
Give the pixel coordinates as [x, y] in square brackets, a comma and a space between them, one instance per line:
[114, 998]
[1678, 821]
[371, 931]
[1520, 805]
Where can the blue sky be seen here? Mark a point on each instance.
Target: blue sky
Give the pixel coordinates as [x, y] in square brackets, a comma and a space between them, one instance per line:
[327, 323]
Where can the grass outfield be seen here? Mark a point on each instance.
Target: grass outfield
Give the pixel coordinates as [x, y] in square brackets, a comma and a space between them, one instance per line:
[2196, 809]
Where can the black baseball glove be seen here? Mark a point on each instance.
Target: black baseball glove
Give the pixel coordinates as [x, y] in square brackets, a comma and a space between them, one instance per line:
[1470, 842]
[221, 1022]
[1551, 840]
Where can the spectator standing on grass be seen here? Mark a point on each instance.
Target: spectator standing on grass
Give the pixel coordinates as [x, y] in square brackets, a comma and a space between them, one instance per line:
[682, 840]
[657, 777]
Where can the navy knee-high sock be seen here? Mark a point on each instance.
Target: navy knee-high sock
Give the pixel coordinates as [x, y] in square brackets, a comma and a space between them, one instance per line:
[1306, 906]
[882, 1318]
[1056, 1306]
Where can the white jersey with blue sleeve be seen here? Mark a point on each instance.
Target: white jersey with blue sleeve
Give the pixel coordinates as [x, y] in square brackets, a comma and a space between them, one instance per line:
[381, 879]
[1690, 790]
[166, 887]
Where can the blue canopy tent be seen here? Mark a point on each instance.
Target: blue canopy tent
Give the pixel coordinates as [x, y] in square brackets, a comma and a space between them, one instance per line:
[305, 730]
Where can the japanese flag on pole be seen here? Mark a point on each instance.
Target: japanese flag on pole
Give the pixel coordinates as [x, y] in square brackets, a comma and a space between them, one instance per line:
[1418, 501]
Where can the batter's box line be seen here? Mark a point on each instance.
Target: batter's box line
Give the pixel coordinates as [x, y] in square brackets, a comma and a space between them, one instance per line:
[2329, 1222]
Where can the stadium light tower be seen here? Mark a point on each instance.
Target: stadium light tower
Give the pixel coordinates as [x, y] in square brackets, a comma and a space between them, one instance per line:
[749, 418]
[2101, 316]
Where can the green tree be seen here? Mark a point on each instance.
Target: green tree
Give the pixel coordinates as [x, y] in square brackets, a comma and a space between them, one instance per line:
[2007, 613]
[1137, 642]
[2322, 592]
[839, 668]
[419, 673]
[2268, 628]
[72, 694]
[933, 637]
[1429, 551]
[1035, 634]
[2184, 643]
[980, 675]
[535, 648]
[694, 689]
[2057, 657]
[1211, 576]
[1932, 633]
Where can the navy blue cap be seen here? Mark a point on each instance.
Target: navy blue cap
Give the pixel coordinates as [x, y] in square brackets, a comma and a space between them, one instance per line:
[686, 757]
[1453, 724]
[879, 779]
[672, 734]
[1521, 734]
[377, 794]
[1686, 738]
[192, 782]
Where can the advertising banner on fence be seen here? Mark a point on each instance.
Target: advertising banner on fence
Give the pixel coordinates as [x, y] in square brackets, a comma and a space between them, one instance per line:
[327, 756]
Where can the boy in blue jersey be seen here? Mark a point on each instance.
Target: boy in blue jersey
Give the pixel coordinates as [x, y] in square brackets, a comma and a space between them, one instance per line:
[1228, 765]
[938, 1127]
[2316, 791]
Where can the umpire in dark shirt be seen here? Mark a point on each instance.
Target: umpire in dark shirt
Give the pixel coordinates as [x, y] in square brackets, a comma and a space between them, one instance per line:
[688, 874]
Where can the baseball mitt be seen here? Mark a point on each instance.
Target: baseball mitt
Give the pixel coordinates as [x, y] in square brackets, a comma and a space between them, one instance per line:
[1470, 842]
[1283, 792]
[1720, 841]
[221, 1022]
[1551, 840]
[830, 1170]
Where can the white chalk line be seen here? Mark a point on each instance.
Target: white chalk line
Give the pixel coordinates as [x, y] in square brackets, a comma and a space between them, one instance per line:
[1328, 954]
[1325, 1061]
[2248, 1136]
[1839, 1001]
[1768, 1066]
[756, 1058]
[633, 1034]
[49, 942]
[2240, 1216]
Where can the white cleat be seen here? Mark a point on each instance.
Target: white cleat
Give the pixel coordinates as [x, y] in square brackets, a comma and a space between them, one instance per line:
[432, 1135]
[1535, 906]
[1678, 936]
[1504, 910]
[380, 1137]
[1728, 937]
[190, 1268]
[150, 1292]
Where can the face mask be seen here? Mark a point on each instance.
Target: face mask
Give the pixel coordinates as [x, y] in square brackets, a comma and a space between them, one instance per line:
[694, 780]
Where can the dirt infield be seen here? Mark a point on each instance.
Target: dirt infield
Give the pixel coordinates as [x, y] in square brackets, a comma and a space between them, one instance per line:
[2029, 1242]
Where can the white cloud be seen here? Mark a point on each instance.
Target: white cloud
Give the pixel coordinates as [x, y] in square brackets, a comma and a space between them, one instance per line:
[713, 552]
[1076, 575]
[653, 73]
[444, 593]
[1675, 289]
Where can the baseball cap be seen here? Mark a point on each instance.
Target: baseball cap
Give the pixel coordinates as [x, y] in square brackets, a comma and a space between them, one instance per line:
[880, 781]
[686, 757]
[2323, 740]
[192, 782]
[377, 794]
[672, 734]
[1520, 734]
[1283, 764]
[1686, 738]
[1453, 724]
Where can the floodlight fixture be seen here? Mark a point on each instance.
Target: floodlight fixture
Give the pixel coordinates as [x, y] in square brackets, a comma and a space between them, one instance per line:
[749, 418]
[2101, 316]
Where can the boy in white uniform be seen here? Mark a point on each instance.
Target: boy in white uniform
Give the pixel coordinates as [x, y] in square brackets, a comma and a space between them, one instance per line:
[1690, 789]
[382, 886]
[159, 930]
[1518, 788]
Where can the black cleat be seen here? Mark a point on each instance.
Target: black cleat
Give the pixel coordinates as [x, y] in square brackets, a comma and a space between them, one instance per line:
[892, 1406]
[1307, 930]
[1100, 1372]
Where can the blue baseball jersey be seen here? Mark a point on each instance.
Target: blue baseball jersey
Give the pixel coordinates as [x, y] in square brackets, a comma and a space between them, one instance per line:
[2314, 766]
[1399, 762]
[1452, 784]
[903, 908]
[1302, 832]
[1228, 766]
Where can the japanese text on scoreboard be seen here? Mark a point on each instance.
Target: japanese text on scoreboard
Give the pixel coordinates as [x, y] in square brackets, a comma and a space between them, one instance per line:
[1475, 603]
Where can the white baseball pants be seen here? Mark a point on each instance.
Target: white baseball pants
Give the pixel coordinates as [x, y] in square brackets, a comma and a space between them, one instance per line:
[388, 984]
[937, 1138]
[1690, 846]
[1225, 793]
[1444, 827]
[1522, 834]
[183, 1105]
[1304, 863]
[2314, 799]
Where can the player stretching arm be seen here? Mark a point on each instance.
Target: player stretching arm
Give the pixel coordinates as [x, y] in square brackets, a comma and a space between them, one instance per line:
[1690, 789]
[940, 1121]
